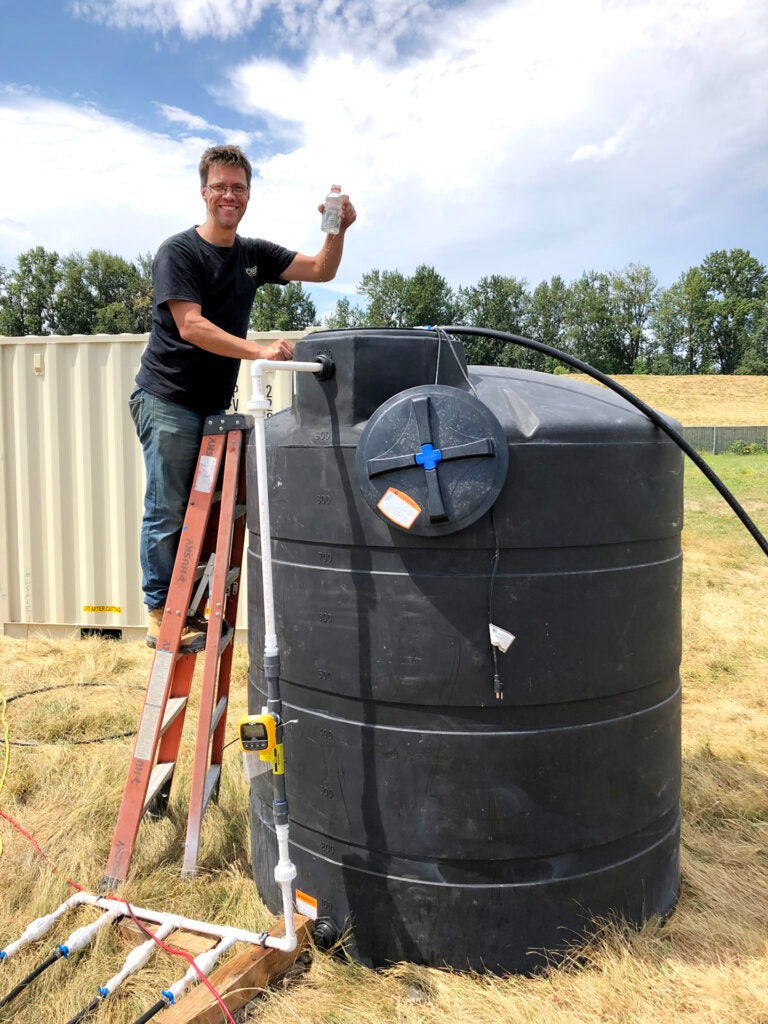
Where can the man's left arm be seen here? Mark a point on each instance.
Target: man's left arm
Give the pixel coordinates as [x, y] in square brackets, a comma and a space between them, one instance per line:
[324, 264]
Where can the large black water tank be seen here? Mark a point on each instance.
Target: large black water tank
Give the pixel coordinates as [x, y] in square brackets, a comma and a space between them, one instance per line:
[445, 825]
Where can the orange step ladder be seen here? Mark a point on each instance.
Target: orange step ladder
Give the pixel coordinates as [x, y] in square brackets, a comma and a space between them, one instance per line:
[210, 555]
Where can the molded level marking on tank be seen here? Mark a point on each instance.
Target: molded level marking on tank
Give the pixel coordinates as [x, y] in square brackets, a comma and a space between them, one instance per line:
[484, 735]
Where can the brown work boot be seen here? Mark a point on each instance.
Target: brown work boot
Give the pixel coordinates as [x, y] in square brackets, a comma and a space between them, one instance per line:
[192, 636]
[200, 621]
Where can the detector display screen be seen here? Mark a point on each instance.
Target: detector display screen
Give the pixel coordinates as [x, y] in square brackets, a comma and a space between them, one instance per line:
[254, 735]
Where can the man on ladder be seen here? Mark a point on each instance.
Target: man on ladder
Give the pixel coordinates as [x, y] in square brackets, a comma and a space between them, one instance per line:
[205, 280]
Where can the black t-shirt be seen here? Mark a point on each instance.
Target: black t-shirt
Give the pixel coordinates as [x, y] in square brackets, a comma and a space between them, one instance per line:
[223, 281]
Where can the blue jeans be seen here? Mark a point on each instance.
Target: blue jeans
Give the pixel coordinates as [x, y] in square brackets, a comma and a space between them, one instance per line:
[170, 436]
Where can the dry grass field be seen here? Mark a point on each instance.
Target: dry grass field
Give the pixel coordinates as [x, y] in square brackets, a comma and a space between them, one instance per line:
[702, 401]
[707, 964]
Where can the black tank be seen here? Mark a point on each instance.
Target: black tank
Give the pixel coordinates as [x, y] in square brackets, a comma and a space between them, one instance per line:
[454, 804]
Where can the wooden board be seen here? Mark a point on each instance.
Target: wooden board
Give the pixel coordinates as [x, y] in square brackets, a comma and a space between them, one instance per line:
[239, 980]
[190, 942]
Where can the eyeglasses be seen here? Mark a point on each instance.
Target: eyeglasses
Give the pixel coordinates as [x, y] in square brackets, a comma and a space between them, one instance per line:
[220, 189]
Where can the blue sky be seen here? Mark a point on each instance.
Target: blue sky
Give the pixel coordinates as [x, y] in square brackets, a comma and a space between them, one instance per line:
[530, 138]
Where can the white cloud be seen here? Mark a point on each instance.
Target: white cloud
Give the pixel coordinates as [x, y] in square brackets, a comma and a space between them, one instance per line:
[630, 129]
[193, 18]
[88, 180]
[481, 151]
[196, 124]
[529, 138]
[178, 116]
[328, 25]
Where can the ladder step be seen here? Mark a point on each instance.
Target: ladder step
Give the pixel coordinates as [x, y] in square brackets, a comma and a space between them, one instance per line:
[160, 775]
[211, 781]
[218, 711]
[173, 709]
[232, 575]
[227, 636]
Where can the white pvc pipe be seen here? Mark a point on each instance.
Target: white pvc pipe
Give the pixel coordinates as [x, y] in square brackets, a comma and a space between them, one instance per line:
[42, 925]
[205, 963]
[189, 924]
[259, 405]
[285, 871]
[259, 365]
[84, 936]
[135, 960]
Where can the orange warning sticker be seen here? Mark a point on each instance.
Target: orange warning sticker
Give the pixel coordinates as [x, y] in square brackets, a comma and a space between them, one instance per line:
[306, 905]
[399, 507]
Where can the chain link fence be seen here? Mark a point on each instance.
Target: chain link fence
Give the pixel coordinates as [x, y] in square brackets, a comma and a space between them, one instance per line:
[719, 439]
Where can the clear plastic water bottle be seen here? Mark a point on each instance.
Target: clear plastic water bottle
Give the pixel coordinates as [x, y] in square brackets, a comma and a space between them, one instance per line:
[331, 221]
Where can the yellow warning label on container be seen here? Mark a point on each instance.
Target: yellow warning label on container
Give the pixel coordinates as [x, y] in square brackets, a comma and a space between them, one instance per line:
[399, 507]
[102, 608]
[306, 905]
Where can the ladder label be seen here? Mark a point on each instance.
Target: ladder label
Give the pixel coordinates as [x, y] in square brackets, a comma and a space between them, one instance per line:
[153, 705]
[206, 473]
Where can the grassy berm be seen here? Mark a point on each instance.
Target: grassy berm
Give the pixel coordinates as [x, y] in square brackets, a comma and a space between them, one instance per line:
[707, 964]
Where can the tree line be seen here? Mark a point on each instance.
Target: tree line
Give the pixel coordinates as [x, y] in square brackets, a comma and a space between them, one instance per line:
[713, 319]
[98, 293]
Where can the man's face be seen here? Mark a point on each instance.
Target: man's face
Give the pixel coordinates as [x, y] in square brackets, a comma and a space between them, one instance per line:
[225, 206]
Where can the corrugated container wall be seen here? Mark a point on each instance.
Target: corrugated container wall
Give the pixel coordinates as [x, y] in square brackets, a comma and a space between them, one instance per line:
[72, 482]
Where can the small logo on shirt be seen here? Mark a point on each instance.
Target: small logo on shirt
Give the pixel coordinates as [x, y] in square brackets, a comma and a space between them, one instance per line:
[252, 271]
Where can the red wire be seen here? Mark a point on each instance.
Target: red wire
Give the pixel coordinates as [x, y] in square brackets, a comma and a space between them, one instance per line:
[182, 953]
[32, 840]
[169, 949]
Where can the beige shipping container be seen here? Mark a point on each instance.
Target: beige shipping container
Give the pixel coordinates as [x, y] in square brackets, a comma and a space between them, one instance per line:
[72, 482]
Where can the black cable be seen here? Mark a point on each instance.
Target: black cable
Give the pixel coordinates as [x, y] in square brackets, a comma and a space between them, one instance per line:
[69, 743]
[151, 1012]
[498, 686]
[60, 686]
[94, 1003]
[653, 416]
[75, 743]
[56, 955]
[65, 743]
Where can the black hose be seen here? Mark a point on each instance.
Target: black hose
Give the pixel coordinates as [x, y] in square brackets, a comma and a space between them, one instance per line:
[656, 418]
[56, 955]
[85, 1011]
[150, 1013]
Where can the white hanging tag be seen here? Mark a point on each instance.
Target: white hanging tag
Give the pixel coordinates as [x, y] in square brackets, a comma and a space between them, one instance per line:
[500, 638]
[253, 765]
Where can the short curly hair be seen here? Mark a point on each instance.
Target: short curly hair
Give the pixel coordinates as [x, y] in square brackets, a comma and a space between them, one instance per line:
[230, 156]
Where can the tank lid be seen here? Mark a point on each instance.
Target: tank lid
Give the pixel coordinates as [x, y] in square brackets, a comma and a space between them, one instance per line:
[432, 460]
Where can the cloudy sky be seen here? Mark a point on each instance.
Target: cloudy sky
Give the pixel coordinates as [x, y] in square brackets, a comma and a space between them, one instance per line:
[521, 137]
